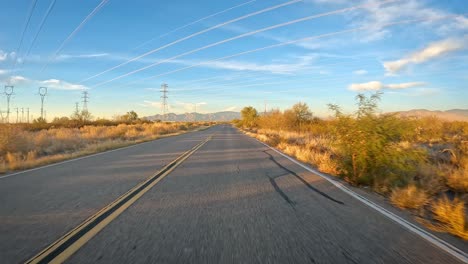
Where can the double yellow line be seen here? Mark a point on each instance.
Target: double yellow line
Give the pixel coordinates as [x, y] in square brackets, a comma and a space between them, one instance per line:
[67, 245]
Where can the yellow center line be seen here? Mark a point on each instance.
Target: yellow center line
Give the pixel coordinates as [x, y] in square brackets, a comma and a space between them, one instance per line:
[63, 248]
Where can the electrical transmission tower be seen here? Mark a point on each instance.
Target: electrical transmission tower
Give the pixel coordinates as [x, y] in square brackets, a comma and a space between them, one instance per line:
[17, 114]
[164, 97]
[42, 93]
[85, 98]
[8, 91]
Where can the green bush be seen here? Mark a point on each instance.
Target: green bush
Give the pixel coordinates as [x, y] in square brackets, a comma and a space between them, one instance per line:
[369, 149]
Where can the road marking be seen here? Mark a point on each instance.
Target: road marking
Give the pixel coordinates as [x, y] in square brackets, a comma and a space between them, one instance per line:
[97, 154]
[67, 245]
[440, 243]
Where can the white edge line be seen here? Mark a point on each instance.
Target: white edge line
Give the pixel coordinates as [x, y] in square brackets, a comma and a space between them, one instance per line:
[440, 243]
[87, 156]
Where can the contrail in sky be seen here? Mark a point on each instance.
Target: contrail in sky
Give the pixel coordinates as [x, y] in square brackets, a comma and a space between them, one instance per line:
[193, 35]
[194, 22]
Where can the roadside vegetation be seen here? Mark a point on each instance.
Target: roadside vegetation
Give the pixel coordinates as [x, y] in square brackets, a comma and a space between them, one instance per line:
[25, 146]
[419, 164]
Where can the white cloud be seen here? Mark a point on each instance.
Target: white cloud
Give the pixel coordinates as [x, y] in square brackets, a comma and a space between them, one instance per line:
[278, 68]
[360, 72]
[3, 55]
[16, 80]
[153, 104]
[376, 86]
[2, 72]
[368, 86]
[190, 107]
[404, 85]
[81, 56]
[375, 15]
[51, 83]
[62, 85]
[432, 51]
[231, 108]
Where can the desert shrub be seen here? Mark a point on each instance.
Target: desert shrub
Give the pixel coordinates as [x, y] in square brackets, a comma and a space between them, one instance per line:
[451, 216]
[13, 160]
[409, 197]
[13, 139]
[457, 180]
[369, 150]
[429, 178]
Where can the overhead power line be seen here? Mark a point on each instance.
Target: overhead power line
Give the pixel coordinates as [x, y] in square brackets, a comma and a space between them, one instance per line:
[191, 36]
[242, 36]
[41, 25]
[20, 44]
[283, 44]
[75, 31]
[192, 23]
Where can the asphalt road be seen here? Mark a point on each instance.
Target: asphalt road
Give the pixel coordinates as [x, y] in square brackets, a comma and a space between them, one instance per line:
[233, 201]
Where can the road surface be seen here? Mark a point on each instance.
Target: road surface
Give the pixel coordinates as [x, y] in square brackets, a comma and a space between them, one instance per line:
[233, 200]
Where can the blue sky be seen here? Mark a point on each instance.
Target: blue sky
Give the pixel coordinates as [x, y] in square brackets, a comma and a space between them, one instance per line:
[223, 55]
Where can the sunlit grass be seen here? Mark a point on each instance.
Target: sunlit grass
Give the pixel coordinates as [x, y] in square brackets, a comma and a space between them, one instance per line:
[411, 161]
[450, 216]
[409, 197]
[21, 149]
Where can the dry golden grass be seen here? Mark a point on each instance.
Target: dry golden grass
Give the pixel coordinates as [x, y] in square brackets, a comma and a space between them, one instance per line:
[315, 150]
[458, 180]
[409, 197]
[450, 216]
[27, 149]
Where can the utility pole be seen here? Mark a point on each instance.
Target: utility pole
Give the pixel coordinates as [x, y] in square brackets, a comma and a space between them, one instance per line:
[77, 109]
[42, 93]
[28, 114]
[164, 97]
[22, 114]
[8, 91]
[264, 111]
[17, 114]
[85, 98]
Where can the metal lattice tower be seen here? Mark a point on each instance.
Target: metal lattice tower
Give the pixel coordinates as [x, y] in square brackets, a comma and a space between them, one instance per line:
[85, 98]
[17, 115]
[164, 97]
[8, 91]
[42, 93]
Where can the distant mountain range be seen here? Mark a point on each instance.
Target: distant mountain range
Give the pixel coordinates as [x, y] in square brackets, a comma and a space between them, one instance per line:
[218, 116]
[450, 115]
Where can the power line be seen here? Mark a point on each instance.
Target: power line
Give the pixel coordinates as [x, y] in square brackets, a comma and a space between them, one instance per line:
[75, 31]
[41, 25]
[191, 36]
[241, 36]
[192, 23]
[31, 11]
[280, 45]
